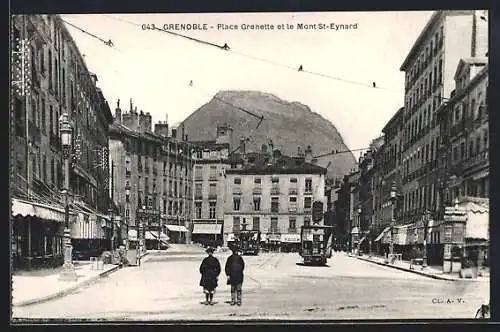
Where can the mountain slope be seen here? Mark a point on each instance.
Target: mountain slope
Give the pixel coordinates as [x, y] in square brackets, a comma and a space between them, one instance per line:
[290, 125]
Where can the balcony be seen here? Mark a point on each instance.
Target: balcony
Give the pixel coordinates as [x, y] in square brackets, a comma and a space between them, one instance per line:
[257, 191]
[155, 171]
[308, 210]
[198, 196]
[34, 132]
[212, 196]
[293, 191]
[237, 191]
[476, 160]
[198, 178]
[308, 191]
[292, 230]
[292, 209]
[275, 191]
[212, 178]
[146, 169]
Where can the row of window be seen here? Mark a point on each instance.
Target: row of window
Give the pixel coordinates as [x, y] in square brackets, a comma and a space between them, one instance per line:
[175, 187]
[461, 110]
[419, 124]
[475, 147]
[243, 225]
[172, 207]
[422, 157]
[212, 210]
[425, 58]
[276, 180]
[422, 197]
[206, 154]
[173, 169]
[275, 207]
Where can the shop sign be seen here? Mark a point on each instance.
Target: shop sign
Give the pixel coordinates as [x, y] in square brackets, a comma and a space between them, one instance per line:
[458, 233]
[448, 232]
[290, 238]
[447, 251]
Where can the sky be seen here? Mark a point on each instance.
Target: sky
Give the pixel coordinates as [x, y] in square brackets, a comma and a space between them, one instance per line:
[154, 68]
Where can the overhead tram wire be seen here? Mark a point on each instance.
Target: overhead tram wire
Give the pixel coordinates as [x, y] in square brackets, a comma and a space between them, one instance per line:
[335, 152]
[109, 42]
[225, 47]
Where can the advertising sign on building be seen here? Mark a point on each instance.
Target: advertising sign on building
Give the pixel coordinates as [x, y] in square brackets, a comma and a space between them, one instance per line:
[458, 233]
[317, 211]
[448, 232]
[447, 251]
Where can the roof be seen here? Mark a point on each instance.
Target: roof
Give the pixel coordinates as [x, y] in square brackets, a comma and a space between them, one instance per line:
[435, 18]
[469, 61]
[260, 163]
[395, 117]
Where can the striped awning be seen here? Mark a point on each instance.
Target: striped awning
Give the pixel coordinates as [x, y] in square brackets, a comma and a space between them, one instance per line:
[34, 209]
[177, 228]
[207, 229]
[379, 237]
[152, 235]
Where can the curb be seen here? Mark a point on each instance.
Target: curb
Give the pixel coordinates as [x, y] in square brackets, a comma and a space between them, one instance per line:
[64, 292]
[408, 270]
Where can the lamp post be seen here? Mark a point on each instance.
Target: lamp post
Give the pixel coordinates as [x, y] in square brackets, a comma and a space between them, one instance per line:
[426, 224]
[68, 273]
[127, 209]
[359, 229]
[392, 224]
[111, 216]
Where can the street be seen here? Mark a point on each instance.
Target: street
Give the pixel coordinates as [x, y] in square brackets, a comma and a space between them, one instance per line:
[275, 287]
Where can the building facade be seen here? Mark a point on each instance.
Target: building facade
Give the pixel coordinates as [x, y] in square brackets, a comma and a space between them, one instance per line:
[429, 69]
[56, 81]
[272, 194]
[210, 161]
[152, 177]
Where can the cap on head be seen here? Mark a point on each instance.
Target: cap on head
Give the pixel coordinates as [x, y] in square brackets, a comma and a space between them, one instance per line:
[210, 250]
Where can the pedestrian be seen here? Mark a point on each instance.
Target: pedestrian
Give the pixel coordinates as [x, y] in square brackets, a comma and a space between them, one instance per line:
[210, 270]
[234, 271]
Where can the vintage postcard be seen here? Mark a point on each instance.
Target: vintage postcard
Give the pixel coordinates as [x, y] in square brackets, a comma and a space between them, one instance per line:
[231, 167]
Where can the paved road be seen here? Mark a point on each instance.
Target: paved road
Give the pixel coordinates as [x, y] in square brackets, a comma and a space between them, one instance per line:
[276, 287]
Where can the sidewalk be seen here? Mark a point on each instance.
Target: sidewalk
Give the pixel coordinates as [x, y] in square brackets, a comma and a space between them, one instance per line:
[435, 272]
[31, 287]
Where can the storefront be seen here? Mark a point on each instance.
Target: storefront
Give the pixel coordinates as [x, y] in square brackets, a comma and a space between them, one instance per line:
[156, 240]
[177, 233]
[90, 233]
[381, 242]
[477, 232]
[207, 233]
[290, 242]
[37, 235]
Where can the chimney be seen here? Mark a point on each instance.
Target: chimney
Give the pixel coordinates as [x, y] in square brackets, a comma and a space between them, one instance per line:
[263, 148]
[174, 132]
[144, 122]
[161, 129]
[242, 145]
[308, 154]
[118, 112]
[271, 151]
[224, 134]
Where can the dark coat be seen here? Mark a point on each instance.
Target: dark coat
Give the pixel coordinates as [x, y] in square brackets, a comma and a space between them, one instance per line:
[210, 270]
[234, 269]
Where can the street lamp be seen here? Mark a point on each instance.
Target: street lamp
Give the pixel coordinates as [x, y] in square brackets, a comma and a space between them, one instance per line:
[68, 273]
[426, 219]
[393, 202]
[127, 210]
[111, 216]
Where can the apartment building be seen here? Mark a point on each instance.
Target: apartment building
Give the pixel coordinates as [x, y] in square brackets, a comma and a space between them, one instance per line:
[210, 161]
[273, 194]
[429, 70]
[50, 78]
[152, 176]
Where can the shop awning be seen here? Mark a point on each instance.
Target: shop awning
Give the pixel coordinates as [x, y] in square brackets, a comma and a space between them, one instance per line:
[290, 238]
[355, 230]
[477, 223]
[43, 211]
[207, 229]
[231, 237]
[132, 235]
[152, 235]
[379, 237]
[263, 237]
[176, 228]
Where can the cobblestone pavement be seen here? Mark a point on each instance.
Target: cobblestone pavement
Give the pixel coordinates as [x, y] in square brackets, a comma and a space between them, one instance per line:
[276, 286]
